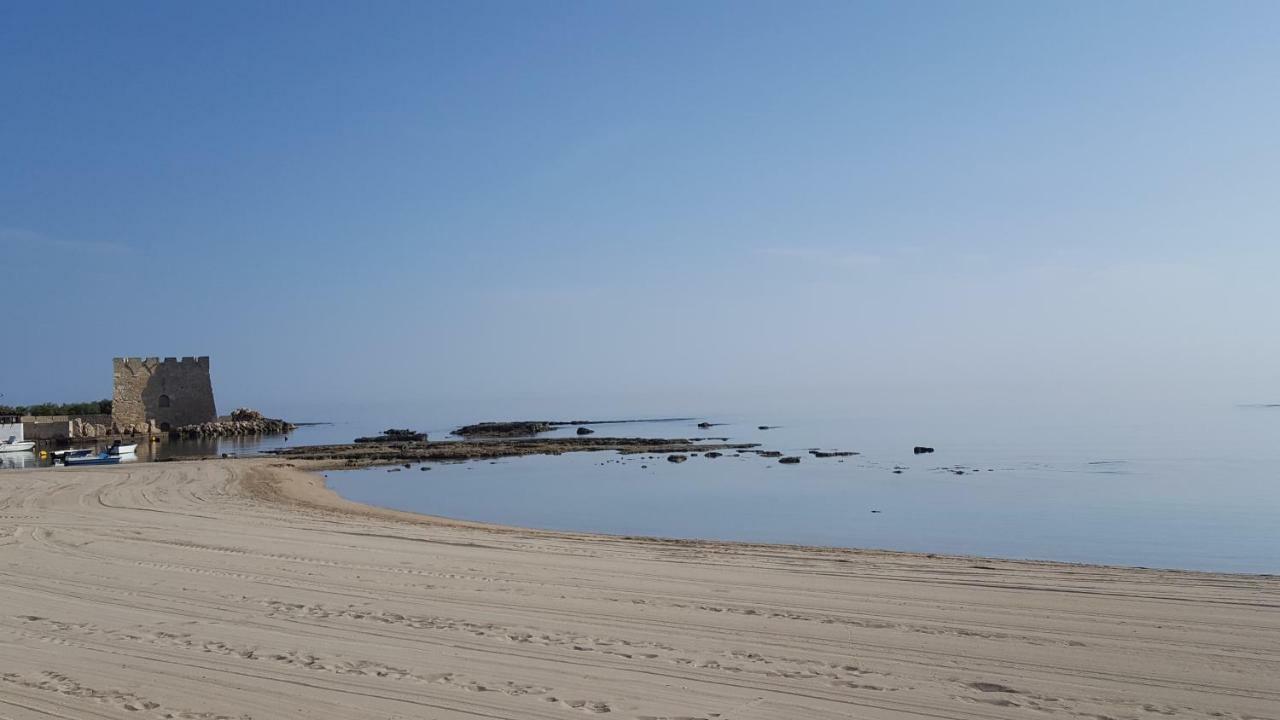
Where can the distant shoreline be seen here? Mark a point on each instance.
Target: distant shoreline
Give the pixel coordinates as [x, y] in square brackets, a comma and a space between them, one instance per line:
[530, 428]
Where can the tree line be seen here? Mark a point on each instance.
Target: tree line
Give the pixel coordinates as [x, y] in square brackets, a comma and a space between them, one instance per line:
[96, 407]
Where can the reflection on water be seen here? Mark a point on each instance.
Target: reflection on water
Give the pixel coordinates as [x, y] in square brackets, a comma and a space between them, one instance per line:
[190, 448]
[14, 460]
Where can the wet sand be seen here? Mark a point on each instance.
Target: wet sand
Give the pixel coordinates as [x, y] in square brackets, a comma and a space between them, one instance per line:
[245, 589]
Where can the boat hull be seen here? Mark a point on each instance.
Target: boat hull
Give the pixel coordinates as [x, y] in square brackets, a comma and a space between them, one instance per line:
[17, 446]
[103, 459]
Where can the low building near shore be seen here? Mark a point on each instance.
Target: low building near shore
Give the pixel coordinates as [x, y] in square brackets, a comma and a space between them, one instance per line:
[43, 428]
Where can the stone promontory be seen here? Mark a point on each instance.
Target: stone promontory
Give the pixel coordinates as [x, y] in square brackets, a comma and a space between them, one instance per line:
[242, 422]
[386, 453]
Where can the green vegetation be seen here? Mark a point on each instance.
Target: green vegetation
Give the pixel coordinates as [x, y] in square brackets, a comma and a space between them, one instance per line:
[97, 407]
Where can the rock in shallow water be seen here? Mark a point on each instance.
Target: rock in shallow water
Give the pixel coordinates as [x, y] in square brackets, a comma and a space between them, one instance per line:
[261, 426]
[394, 435]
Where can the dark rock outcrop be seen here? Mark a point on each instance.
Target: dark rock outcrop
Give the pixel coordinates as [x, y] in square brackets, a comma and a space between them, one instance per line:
[395, 435]
[920, 450]
[529, 428]
[677, 458]
[518, 428]
[835, 453]
[251, 423]
[585, 431]
[792, 460]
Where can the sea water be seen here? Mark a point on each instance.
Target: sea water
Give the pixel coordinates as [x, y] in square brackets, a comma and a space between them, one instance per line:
[1157, 491]
[1197, 488]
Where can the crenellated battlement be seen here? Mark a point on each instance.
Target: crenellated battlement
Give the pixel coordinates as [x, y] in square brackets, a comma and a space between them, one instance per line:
[153, 362]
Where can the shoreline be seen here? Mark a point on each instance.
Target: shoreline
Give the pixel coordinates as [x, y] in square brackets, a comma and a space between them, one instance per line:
[248, 588]
[341, 504]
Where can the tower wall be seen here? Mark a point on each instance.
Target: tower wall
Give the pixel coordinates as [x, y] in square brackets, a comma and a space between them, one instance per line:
[172, 392]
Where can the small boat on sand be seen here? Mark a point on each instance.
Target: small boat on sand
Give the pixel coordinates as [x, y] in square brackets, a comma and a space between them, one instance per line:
[14, 445]
[118, 449]
[103, 459]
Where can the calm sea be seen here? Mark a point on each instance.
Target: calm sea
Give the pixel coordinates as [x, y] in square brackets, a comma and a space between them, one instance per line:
[1195, 490]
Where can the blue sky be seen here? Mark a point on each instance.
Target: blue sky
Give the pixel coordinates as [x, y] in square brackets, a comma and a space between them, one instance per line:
[645, 206]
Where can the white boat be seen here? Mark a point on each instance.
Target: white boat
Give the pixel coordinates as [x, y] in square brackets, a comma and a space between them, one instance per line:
[119, 449]
[69, 452]
[13, 445]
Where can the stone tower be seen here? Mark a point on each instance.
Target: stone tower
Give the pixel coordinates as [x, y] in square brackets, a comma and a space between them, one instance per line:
[172, 392]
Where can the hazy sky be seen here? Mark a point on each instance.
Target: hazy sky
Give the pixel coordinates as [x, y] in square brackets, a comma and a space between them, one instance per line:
[615, 207]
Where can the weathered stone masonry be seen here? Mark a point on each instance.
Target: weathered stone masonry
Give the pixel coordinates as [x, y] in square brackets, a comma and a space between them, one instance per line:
[171, 392]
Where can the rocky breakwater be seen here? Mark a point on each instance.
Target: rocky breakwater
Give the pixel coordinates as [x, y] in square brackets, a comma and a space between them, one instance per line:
[79, 428]
[242, 422]
[387, 453]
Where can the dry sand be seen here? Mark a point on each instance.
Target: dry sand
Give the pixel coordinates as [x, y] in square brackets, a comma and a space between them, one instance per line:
[244, 589]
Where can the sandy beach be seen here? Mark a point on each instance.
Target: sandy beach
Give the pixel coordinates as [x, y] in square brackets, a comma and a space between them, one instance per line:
[245, 589]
